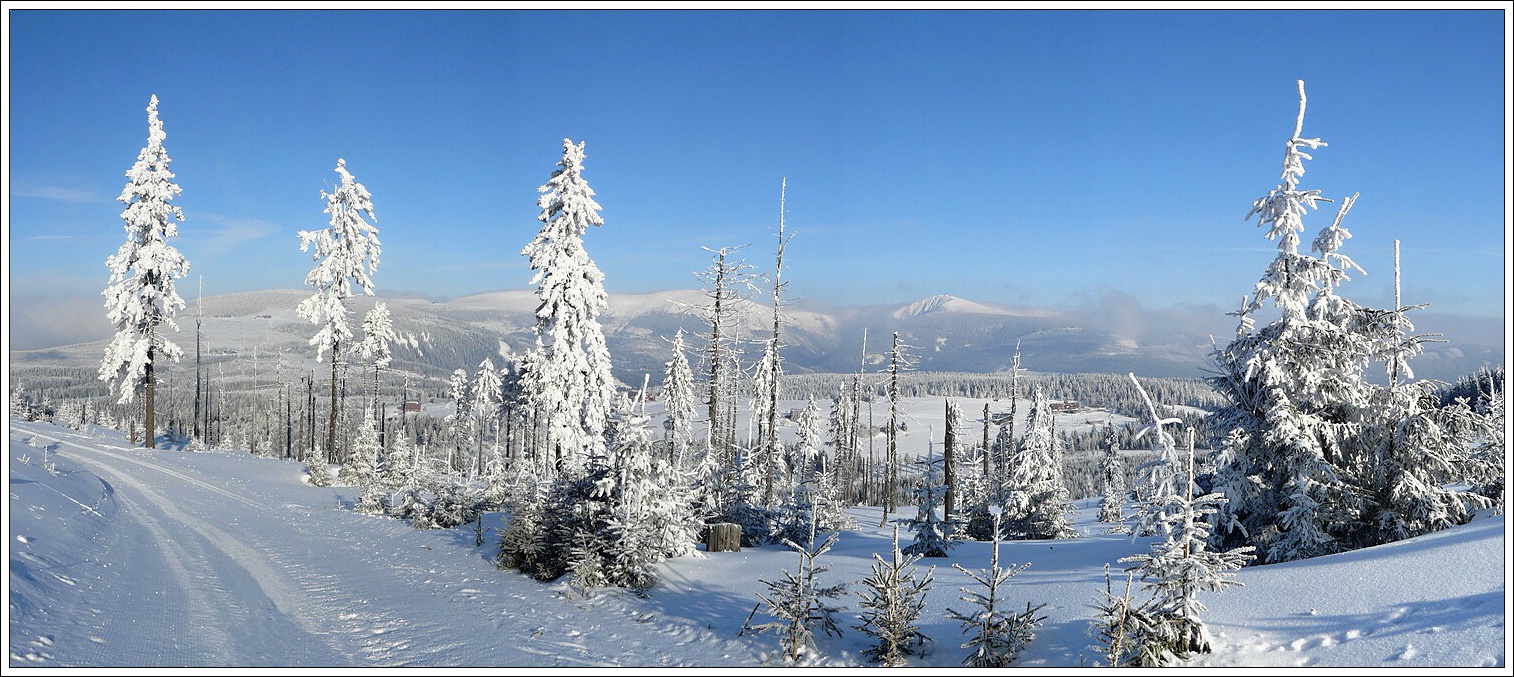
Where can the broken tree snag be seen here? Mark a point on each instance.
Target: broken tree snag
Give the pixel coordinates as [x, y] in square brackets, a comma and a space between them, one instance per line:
[724, 537]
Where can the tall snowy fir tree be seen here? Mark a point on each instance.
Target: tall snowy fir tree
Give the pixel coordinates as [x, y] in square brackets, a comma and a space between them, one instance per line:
[378, 335]
[487, 392]
[1314, 458]
[347, 252]
[1162, 479]
[140, 296]
[1036, 498]
[569, 383]
[678, 391]
[1112, 475]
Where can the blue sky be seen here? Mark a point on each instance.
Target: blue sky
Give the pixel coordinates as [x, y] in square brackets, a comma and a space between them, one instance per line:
[1023, 158]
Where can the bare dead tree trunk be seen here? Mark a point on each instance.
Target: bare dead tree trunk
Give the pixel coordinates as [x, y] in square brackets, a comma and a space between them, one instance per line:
[331, 422]
[949, 457]
[150, 420]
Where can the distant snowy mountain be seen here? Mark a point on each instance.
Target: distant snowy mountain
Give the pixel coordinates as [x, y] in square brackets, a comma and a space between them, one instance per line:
[944, 332]
[946, 303]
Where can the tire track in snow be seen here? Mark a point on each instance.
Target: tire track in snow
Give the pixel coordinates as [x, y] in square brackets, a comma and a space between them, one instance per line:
[286, 596]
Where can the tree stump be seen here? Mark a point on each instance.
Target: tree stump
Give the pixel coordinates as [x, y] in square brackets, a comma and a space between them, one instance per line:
[724, 537]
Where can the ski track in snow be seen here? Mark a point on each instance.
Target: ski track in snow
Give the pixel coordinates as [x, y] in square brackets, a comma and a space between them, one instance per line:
[221, 588]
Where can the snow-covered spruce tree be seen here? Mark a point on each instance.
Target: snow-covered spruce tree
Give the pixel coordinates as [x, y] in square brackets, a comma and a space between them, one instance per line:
[842, 430]
[934, 534]
[811, 493]
[798, 602]
[1161, 480]
[1313, 458]
[378, 335]
[977, 497]
[460, 421]
[569, 383]
[513, 405]
[893, 599]
[140, 296]
[1180, 566]
[1120, 624]
[362, 469]
[1036, 504]
[1112, 472]
[607, 522]
[523, 542]
[347, 252]
[650, 517]
[318, 472]
[497, 478]
[678, 391]
[1484, 467]
[997, 635]
[399, 461]
[768, 454]
[487, 391]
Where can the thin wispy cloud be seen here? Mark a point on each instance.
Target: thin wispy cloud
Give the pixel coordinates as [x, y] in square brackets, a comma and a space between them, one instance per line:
[231, 233]
[55, 193]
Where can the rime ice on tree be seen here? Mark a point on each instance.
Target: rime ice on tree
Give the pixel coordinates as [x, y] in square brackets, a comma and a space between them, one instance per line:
[347, 252]
[569, 383]
[1313, 457]
[141, 295]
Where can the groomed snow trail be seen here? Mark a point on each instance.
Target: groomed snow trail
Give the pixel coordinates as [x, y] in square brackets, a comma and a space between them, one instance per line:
[196, 567]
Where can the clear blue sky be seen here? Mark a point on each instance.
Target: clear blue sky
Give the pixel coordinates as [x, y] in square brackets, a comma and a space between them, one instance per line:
[1012, 157]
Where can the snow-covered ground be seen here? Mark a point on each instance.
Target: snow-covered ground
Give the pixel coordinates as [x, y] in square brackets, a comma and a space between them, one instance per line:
[120, 556]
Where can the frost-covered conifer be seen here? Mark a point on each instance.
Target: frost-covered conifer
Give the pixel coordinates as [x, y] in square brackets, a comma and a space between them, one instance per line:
[725, 278]
[678, 389]
[798, 602]
[362, 464]
[998, 635]
[977, 497]
[141, 296]
[893, 599]
[934, 534]
[347, 252]
[487, 392]
[569, 382]
[399, 462]
[898, 361]
[316, 468]
[1121, 625]
[1036, 503]
[1179, 566]
[650, 517]
[1313, 458]
[769, 375]
[1163, 478]
[1112, 472]
[378, 335]
[812, 494]
[362, 469]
